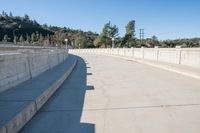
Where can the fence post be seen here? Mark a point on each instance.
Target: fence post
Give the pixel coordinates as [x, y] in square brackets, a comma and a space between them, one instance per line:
[142, 52]
[178, 53]
[132, 51]
[157, 53]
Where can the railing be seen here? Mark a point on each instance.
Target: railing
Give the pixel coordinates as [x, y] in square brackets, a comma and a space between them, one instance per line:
[182, 56]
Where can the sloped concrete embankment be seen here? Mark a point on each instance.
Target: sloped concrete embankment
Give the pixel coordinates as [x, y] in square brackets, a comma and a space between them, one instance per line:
[20, 103]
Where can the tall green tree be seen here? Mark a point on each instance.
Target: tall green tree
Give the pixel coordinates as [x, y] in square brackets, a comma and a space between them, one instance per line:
[129, 39]
[113, 31]
[108, 32]
[130, 28]
[104, 36]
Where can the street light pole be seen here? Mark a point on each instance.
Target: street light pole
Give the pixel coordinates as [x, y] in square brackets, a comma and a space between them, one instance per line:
[66, 40]
[113, 42]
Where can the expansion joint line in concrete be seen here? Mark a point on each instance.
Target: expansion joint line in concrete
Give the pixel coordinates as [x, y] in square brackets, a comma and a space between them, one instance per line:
[123, 108]
[29, 67]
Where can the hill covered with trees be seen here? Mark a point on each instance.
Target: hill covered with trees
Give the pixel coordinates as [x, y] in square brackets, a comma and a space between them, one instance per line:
[23, 30]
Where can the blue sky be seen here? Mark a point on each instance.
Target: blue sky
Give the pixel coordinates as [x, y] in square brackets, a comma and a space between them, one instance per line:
[167, 19]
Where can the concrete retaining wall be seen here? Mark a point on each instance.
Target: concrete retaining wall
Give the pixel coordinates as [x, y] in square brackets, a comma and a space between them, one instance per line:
[18, 67]
[182, 56]
[27, 108]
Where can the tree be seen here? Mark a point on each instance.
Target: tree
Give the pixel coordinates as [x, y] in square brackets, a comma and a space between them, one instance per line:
[108, 32]
[125, 40]
[5, 38]
[15, 39]
[33, 37]
[98, 41]
[35, 23]
[45, 26]
[16, 25]
[26, 17]
[80, 40]
[104, 36]
[129, 39]
[10, 14]
[59, 37]
[113, 31]
[37, 36]
[4, 14]
[21, 39]
[28, 39]
[130, 28]
[155, 41]
[41, 39]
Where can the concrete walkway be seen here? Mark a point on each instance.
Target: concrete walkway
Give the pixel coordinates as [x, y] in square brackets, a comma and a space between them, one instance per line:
[193, 72]
[20, 103]
[112, 95]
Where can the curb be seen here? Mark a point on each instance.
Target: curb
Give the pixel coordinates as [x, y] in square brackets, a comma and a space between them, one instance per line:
[18, 121]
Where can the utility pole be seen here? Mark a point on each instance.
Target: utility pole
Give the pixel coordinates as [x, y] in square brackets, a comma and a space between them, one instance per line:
[141, 35]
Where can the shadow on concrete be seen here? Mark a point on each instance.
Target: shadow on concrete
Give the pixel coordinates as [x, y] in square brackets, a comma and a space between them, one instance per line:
[89, 73]
[62, 112]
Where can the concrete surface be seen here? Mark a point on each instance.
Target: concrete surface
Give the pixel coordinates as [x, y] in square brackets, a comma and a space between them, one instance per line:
[18, 67]
[180, 69]
[20, 103]
[150, 56]
[113, 95]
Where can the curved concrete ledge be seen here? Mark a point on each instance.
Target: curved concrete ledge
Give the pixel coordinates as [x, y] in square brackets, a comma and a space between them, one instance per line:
[22, 108]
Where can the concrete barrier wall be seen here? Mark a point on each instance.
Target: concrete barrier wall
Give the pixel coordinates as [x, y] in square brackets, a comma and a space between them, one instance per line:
[16, 68]
[13, 70]
[190, 57]
[182, 56]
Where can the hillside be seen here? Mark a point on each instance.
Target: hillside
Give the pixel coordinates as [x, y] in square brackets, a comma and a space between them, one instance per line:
[23, 30]
[10, 25]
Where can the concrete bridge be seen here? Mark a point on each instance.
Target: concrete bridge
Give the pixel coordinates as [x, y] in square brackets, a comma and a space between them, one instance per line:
[108, 91]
